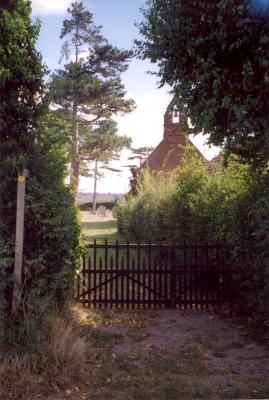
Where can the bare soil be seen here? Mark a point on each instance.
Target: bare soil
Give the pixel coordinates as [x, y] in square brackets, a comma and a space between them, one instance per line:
[225, 345]
[167, 355]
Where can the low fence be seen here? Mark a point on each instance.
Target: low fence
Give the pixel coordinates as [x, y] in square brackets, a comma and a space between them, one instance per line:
[153, 276]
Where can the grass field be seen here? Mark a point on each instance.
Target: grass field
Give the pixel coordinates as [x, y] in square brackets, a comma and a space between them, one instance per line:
[99, 229]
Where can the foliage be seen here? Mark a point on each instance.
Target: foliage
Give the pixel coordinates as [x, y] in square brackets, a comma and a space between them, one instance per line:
[28, 139]
[139, 217]
[215, 56]
[89, 87]
[140, 154]
[103, 144]
[229, 206]
[99, 147]
[20, 68]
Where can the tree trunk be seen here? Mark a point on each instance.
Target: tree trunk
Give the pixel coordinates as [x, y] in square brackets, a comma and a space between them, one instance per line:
[74, 180]
[75, 163]
[95, 187]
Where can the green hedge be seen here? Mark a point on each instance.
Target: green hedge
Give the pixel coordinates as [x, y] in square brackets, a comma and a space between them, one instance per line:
[29, 140]
[229, 206]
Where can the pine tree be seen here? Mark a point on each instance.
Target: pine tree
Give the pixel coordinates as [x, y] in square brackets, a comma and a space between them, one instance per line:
[101, 147]
[89, 86]
[141, 154]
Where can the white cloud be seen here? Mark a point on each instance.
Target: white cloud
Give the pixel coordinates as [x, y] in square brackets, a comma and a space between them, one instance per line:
[208, 151]
[41, 7]
[83, 55]
[145, 124]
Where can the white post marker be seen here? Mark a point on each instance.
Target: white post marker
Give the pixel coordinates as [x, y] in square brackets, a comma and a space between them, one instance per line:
[19, 238]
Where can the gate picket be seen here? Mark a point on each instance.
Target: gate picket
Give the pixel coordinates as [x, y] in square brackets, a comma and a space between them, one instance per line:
[133, 283]
[106, 274]
[150, 276]
[111, 282]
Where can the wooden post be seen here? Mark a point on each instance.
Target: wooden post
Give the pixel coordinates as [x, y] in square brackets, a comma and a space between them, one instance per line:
[19, 238]
[172, 278]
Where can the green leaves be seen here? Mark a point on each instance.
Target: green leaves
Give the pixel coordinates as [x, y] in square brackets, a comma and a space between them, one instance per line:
[242, 21]
[89, 87]
[31, 137]
[102, 143]
[214, 55]
[226, 102]
[228, 205]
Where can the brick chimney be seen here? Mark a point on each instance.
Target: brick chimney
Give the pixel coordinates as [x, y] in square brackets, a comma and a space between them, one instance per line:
[174, 120]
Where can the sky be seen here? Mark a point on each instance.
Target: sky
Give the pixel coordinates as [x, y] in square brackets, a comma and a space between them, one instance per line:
[145, 124]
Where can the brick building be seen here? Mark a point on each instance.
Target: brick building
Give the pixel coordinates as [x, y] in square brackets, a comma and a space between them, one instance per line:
[168, 154]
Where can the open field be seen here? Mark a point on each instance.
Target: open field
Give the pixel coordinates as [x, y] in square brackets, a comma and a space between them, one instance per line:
[99, 228]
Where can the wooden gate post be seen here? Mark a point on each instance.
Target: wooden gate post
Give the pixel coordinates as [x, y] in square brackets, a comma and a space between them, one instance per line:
[19, 238]
[172, 277]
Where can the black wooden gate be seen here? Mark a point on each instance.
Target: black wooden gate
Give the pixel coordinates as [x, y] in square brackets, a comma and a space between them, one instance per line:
[150, 276]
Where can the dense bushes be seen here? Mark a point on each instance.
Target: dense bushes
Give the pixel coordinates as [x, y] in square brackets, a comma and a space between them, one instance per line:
[146, 216]
[229, 206]
[189, 205]
[51, 245]
[51, 240]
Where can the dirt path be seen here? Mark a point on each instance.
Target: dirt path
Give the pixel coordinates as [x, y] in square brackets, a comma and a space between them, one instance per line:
[173, 355]
[222, 344]
[167, 355]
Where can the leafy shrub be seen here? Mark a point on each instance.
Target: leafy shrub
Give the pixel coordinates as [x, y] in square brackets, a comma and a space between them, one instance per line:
[51, 240]
[248, 238]
[27, 140]
[144, 217]
[230, 206]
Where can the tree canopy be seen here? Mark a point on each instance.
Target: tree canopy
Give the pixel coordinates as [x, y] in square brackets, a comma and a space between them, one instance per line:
[21, 73]
[89, 86]
[27, 140]
[215, 56]
[141, 154]
[102, 145]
